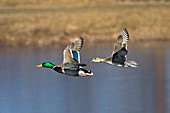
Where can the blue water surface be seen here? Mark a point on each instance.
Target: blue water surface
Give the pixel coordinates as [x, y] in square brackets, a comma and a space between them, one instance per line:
[27, 89]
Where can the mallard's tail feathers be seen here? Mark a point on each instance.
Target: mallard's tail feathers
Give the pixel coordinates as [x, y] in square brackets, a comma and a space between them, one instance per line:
[84, 72]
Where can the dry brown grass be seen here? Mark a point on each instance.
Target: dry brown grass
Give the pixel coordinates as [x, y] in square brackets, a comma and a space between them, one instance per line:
[54, 3]
[44, 26]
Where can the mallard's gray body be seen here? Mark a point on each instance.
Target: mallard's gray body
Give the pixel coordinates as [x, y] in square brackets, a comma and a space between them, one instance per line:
[73, 69]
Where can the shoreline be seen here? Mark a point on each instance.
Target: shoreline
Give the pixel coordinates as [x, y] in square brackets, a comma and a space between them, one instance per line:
[56, 44]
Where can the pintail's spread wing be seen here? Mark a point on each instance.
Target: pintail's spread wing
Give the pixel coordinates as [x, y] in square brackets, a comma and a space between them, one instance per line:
[71, 53]
[120, 56]
[121, 41]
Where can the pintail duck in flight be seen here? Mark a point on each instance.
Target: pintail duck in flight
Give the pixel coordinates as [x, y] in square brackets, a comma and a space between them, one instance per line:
[71, 61]
[118, 56]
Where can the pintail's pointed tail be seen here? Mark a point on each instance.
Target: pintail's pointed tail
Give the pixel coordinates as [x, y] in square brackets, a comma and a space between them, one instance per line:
[131, 64]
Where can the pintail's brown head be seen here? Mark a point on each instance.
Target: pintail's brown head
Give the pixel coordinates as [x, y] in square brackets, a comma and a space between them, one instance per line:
[96, 59]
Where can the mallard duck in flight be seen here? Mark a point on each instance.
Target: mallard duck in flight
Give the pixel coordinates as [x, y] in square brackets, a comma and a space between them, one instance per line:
[118, 56]
[71, 61]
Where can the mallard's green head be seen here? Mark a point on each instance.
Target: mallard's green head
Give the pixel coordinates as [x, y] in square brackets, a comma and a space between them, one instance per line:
[46, 64]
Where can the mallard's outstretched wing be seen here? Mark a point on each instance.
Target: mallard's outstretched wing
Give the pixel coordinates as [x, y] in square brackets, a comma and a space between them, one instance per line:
[121, 41]
[71, 53]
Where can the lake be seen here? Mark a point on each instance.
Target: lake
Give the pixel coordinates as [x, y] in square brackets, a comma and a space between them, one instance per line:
[27, 89]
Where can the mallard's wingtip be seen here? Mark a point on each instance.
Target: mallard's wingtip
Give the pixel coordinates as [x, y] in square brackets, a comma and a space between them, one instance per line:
[39, 65]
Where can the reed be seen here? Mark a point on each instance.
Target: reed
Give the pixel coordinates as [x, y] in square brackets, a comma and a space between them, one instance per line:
[44, 23]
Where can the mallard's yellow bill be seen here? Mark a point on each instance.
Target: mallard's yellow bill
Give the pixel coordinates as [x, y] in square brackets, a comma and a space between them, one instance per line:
[39, 65]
